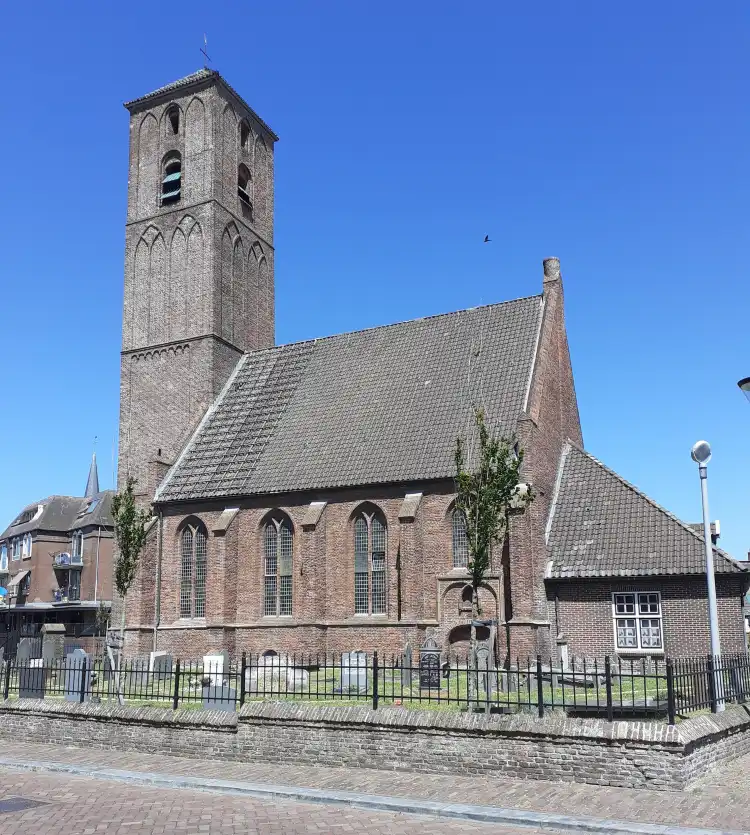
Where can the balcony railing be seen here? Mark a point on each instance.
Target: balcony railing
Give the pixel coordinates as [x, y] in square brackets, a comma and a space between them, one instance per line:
[66, 560]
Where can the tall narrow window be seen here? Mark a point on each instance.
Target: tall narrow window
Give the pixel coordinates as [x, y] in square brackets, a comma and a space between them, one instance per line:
[370, 591]
[173, 121]
[244, 186]
[171, 184]
[460, 542]
[193, 562]
[27, 541]
[245, 135]
[278, 547]
[76, 549]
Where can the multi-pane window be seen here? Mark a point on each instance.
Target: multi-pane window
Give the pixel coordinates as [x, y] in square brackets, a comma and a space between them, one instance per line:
[15, 548]
[637, 617]
[370, 536]
[26, 546]
[193, 556]
[278, 542]
[3, 557]
[76, 551]
[460, 542]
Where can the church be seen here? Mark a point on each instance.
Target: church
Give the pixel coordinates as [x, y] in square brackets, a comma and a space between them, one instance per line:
[303, 494]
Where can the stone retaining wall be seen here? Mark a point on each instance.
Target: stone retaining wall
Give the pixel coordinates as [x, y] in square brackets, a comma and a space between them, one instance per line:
[632, 754]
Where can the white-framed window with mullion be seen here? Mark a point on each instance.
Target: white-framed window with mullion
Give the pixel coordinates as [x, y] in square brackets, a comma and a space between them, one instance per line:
[637, 621]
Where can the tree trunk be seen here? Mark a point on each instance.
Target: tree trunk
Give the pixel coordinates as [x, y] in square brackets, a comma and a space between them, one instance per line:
[473, 678]
[117, 660]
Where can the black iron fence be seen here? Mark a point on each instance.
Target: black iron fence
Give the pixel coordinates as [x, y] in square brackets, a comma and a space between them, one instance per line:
[614, 688]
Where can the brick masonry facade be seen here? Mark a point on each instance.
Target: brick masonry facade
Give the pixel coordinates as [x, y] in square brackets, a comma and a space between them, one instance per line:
[581, 611]
[628, 754]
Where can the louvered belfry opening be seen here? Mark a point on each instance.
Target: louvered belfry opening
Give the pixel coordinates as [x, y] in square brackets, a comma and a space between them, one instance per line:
[171, 184]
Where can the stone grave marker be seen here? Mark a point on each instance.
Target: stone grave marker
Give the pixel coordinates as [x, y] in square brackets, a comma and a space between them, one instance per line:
[31, 679]
[406, 666]
[53, 643]
[216, 667]
[429, 665]
[485, 666]
[160, 664]
[222, 697]
[77, 675]
[24, 651]
[354, 671]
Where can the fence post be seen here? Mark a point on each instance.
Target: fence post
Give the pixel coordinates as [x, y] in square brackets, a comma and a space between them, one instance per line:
[539, 687]
[84, 670]
[671, 710]
[176, 696]
[6, 685]
[712, 684]
[243, 670]
[375, 695]
[608, 685]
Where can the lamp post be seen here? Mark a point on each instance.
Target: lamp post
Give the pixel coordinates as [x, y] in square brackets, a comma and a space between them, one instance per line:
[701, 454]
[744, 386]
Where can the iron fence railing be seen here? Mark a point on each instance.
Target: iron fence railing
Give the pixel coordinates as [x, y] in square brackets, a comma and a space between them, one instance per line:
[613, 688]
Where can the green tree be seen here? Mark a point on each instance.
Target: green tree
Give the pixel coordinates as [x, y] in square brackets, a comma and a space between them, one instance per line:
[130, 536]
[488, 485]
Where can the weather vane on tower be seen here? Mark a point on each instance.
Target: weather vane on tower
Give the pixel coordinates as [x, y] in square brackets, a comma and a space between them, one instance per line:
[205, 53]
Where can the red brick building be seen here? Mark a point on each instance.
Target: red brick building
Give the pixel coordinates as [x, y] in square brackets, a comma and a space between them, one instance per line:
[303, 493]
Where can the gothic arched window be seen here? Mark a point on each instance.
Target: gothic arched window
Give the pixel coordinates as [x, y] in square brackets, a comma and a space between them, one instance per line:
[370, 597]
[460, 542]
[193, 556]
[244, 185]
[245, 136]
[171, 183]
[278, 542]
[173, 120]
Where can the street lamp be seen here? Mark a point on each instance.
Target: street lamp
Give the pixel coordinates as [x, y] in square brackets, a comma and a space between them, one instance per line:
[701, 454]
[745, 387]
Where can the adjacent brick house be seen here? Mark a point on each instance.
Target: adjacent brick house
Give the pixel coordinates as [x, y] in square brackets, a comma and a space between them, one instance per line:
[56, 561]
[303, 493]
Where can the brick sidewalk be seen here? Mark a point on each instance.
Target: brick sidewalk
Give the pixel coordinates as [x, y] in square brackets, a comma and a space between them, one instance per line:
[91, 806]
[720, 801]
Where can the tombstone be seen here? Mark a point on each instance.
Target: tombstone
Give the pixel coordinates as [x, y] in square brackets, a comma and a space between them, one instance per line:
[160, 664]
[53, 643]
[77, 676]
[354, 671]
[31, 679]
[485, 666]
[406, 666]
[25, 651]
[429, 665]
[222, 697]
[215, 667]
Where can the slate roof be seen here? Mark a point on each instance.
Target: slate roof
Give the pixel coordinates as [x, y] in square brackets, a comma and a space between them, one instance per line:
[374, 406]
[602, 526]
[201, 75]
[64, 513]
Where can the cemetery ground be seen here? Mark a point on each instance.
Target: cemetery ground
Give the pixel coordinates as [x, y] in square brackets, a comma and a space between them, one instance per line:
[58, 790]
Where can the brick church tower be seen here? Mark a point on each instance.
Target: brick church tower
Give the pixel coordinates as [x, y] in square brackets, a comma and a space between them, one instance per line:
[199, 288]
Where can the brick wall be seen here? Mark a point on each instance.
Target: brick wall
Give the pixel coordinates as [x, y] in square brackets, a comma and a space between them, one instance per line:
[629, 754]
[584, 613]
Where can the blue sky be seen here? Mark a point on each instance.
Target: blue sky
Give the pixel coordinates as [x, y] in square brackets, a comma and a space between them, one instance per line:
[611, 135]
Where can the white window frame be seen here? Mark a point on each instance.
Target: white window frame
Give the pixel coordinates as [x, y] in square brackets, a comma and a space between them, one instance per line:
[3, 557]
[15, 550]
[646, 608]
[26, 546]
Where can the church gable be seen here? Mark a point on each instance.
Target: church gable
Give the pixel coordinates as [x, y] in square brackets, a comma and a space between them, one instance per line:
[374, 406]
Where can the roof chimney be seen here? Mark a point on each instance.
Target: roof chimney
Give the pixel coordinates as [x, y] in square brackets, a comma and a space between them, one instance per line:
[551, 270]
[92, 485]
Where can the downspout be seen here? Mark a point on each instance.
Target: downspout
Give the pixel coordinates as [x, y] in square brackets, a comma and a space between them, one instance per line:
[157, 602]
[96, 572]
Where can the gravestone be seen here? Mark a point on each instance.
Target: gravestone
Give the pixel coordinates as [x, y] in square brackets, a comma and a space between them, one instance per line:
[354, 671]
[216, 667]
[160, 664]
[406, 666]
[77, 676]
[31, 679]
[222, 697]
[53, 643]
[24, 651]
[429, 665]
[485, 666]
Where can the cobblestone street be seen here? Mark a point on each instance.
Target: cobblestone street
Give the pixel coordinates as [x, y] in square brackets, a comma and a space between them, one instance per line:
[80, 806]
[86, 803]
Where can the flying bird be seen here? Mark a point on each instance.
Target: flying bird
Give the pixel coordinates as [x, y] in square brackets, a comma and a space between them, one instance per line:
[486, 239]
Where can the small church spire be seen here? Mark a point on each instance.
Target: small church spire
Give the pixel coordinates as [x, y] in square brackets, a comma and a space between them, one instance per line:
[92, 485]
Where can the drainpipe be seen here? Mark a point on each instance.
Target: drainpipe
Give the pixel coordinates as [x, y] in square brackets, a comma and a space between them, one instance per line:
[157, 602]
[96, 573]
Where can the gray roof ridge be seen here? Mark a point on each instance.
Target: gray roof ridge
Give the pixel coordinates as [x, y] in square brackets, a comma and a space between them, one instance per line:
[203, 421]
[398, 324]
[653, 502]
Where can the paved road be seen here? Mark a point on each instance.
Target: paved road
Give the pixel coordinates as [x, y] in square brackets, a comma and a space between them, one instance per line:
[85, 806]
